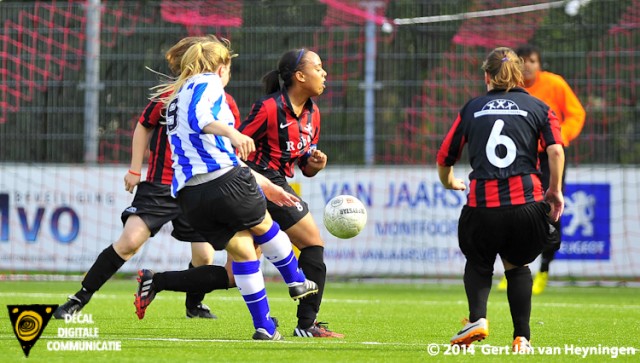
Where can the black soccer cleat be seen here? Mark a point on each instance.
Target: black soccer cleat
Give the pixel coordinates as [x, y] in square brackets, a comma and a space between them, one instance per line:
[146, 292]
[316, 330]
[72, 306]
[201, 311]
[303, 289]
[262, 334]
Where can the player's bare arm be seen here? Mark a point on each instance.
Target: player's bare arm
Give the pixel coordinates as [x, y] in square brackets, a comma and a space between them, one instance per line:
[554, 195]
[448, 179]
[274, 193]
[244, 144]
[139, 144]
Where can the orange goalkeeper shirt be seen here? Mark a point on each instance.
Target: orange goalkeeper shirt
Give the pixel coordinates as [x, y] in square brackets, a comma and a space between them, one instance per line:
[553, 90]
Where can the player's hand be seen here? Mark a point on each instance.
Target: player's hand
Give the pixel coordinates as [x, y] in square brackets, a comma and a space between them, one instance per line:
[317, 159]
[130, 181]
[456, 184]
[244, 144]
[279, 196]
[556, 201]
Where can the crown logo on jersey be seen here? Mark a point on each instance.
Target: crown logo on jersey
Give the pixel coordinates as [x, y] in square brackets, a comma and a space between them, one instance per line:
[500, 107]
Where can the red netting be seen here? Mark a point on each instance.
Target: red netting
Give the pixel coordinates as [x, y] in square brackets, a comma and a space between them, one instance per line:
[41, 45]
[630, 20]
[611, 82]
[350, 12]
[506, 31]
[199, 15]
[419, 136]
[342, 48]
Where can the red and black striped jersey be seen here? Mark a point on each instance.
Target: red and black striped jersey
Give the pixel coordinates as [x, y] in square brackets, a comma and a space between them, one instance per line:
[502, 130]
[281, 137]
[159, 168]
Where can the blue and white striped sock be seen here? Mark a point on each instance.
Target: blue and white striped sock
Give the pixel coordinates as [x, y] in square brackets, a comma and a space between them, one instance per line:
[276, 247]
[250, 282]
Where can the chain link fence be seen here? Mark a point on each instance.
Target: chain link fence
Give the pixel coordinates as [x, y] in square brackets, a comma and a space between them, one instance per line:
[424, 72]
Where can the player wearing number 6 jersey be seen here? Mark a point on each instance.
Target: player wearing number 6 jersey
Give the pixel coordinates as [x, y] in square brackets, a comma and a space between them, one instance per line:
[507, 211]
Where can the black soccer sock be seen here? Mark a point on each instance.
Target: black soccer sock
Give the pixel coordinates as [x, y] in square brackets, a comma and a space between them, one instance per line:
[202, 279]
[193, 298]
[519, 295]
[107, 264]
[477, 284]
[311, 262]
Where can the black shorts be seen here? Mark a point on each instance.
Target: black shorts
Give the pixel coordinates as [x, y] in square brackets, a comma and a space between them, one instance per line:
[517, 233]
[286, 217]
[220, 208]
[154, 204]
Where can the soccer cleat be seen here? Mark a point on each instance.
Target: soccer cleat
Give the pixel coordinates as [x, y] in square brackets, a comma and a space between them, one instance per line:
[146, 292]
[72, 306]
[303, 289]
[540, 282]
[502, 286]
[521, 345]
[262, 334]
[317, 330]
[471, 332]
[201, 311]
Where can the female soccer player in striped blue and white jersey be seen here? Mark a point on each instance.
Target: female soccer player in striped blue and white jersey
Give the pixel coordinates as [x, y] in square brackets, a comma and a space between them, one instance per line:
[153, 207]
[217, 193]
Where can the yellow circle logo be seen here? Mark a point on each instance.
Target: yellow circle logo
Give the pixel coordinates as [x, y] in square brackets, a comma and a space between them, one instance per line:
[28, 325]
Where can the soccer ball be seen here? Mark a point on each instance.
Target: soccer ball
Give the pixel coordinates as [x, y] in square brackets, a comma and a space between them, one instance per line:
[345, 216]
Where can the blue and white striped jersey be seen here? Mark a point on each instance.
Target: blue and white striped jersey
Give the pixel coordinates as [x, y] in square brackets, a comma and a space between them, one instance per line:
[200, 101]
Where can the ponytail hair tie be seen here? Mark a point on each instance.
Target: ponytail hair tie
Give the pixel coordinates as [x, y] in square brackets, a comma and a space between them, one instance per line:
[505, 59]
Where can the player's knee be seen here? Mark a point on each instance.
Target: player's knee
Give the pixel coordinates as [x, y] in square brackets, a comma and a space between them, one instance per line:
[201, 260]
[478, 268]
[127, 246]
[517, 271]
[305, 240]
[201, 254]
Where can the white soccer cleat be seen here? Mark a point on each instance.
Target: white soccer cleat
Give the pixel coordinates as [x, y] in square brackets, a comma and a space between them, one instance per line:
[472, 332]
[521, 345]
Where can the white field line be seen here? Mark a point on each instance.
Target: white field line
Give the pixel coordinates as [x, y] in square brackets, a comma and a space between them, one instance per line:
[341, 301]
[444, 346]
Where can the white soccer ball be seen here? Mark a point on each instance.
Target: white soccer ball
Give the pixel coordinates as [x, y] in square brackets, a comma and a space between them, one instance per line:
[345, 216]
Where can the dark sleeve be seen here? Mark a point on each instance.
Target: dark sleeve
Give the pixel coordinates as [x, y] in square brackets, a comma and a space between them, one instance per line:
[234, 110]
[255, 126]
[152, 115]
[451, 149]
[550, 132]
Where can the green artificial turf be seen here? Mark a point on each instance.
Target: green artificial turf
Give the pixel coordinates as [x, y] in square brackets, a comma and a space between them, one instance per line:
[398, 322]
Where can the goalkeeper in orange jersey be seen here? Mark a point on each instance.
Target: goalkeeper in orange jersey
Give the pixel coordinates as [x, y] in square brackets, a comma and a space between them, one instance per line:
[555, 92]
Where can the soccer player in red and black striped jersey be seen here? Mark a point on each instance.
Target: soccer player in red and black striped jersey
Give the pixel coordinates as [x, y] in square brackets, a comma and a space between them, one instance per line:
[507, 211]
[152, 207]
[285, 125]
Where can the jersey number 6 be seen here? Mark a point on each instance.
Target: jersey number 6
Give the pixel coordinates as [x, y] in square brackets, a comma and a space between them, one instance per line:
[495, 139]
